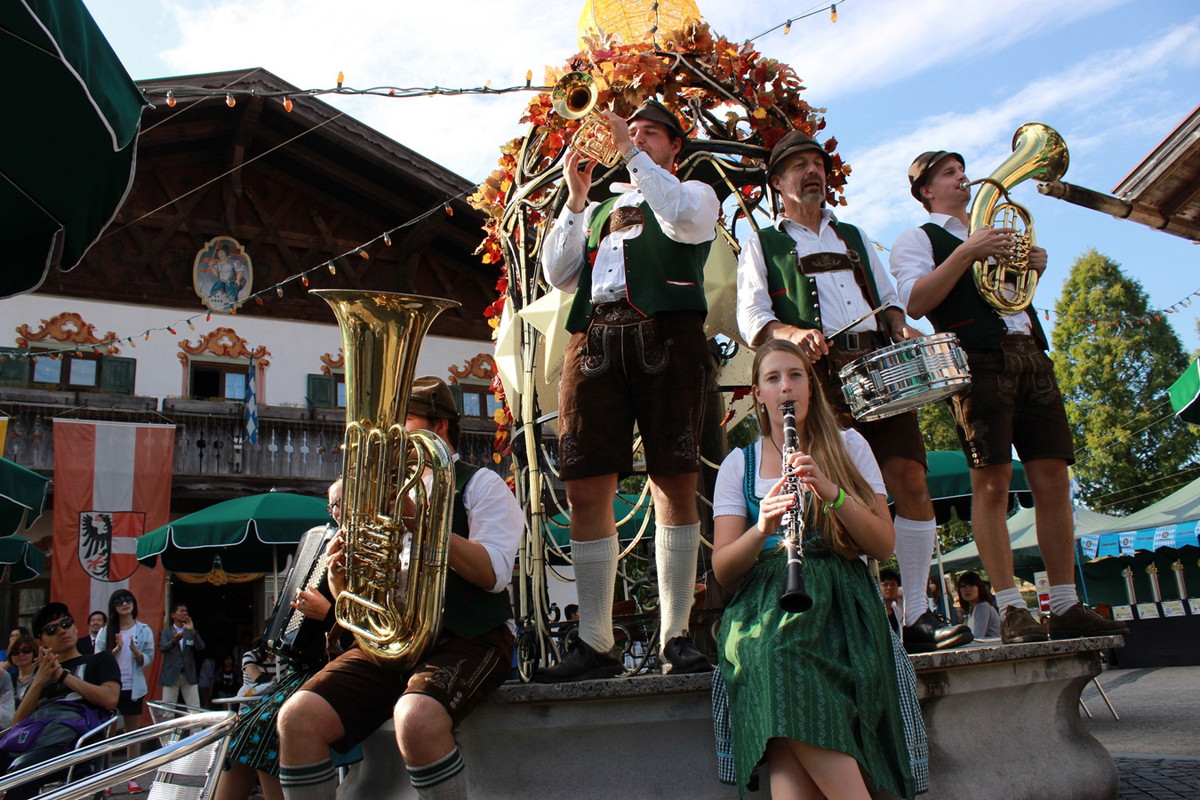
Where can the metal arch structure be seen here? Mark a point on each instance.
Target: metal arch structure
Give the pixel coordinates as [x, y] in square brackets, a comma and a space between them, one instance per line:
[727, 153]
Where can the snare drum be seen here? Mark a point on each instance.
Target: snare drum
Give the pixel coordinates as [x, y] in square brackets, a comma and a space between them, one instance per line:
[904, 376]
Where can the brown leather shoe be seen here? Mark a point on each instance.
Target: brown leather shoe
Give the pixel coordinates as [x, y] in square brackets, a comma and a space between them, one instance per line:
[1017, 626]
[1079, 623]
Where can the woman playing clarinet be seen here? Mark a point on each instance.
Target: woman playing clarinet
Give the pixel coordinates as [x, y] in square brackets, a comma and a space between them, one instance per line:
[816, 694]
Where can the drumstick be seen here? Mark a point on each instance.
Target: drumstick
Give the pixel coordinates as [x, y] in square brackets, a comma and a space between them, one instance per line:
[870, 313]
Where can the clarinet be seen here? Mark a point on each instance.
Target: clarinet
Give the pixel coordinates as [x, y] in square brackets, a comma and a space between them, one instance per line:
[794, 599]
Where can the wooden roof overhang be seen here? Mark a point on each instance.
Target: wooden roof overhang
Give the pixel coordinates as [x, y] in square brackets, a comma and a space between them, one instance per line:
[296, 190]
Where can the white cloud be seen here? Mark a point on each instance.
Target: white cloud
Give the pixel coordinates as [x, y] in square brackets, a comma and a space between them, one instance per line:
[1117, 86]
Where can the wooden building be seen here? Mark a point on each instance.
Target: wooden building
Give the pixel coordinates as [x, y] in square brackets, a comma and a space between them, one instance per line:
[156, 327]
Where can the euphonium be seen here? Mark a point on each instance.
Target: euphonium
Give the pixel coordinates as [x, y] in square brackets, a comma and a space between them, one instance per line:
[1039, 152]
[394, 612]
[574, 96]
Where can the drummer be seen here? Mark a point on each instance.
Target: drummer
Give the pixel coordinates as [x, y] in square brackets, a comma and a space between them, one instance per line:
[806, 278]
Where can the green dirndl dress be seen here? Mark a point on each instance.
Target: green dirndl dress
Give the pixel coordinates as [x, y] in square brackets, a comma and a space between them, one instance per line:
[827, 677]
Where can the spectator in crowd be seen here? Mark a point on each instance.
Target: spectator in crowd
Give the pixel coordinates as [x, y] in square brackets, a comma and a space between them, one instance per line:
[978, 606]
[79, 690]
[5, 663]
[226, 682]
[178, 643]
[132, 644]
[97, 621]
[23, 654]
[889, 587]
[208, 672]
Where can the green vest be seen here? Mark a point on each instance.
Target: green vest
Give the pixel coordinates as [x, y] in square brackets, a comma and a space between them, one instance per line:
[470, 610]
[963, 311]
[661, 274]
[794, 294]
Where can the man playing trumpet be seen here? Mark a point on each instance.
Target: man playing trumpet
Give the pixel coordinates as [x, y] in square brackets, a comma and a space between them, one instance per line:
[805, 278]
[638, 354]
[1014, 400]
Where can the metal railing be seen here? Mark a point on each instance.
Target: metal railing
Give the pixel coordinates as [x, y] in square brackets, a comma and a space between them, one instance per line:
[214, 730]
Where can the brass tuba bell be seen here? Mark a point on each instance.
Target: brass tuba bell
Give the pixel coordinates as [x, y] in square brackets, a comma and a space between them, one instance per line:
[1039, 152]
[393, 610]
[573, 97]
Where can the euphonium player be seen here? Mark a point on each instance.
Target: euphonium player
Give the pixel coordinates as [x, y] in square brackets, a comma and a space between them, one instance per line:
[808, 276]
[817, 694]
[1014, 400]
[353, 695]
[638, 354]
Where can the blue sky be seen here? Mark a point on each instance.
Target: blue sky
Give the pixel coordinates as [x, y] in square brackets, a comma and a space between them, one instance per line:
[897, 77]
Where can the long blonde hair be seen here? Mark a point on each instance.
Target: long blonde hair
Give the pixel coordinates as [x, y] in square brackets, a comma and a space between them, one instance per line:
[824, 445]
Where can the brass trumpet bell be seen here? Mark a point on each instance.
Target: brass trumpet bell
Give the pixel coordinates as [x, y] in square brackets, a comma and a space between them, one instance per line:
[574, 97]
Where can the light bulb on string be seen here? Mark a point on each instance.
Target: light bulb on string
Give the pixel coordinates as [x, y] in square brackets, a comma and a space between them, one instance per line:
[387, 240]
[787, 27]
[304, 280]
[259, 299]
[191, 327]
[279, 290]
[229, 101]
[171, 101]
[449, 211]
[341, 79]
[208, 317]
[287, 104]
[528, 78]
[147, 336]
[170, 330]
[833, 12]
[363, 253]
[332, 268]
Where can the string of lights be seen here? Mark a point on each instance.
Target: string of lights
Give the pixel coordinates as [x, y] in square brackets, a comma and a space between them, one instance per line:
[259, 297]
[787, 24]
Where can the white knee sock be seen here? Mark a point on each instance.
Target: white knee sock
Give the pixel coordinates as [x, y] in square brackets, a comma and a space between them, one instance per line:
[675, 556]
[316, 781]
[595, 576]
[1062, 597]
[444, 779]
[1010, 597]
[915, 540]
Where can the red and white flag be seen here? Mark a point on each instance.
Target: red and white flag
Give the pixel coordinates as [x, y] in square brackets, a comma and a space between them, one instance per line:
[112, 483]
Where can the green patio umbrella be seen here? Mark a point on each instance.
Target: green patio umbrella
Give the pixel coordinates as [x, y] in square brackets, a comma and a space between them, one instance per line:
[24, 561]
[949, 480]
[71, 118]
[249, 534]
[22, 497]
[1185, 394]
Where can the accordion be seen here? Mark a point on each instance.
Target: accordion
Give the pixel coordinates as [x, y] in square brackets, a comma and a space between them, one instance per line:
[292, 636]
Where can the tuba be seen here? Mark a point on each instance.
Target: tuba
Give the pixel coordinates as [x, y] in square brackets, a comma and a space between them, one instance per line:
[394, 611]
[1039, 152]
[574, 96]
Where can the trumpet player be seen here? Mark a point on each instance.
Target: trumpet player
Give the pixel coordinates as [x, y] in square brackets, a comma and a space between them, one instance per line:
[354, 694]
[804, 279]
[1014, 400]
[637, 354]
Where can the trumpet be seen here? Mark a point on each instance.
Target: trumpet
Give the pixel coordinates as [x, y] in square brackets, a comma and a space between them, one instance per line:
[794, 598]
[574, 97]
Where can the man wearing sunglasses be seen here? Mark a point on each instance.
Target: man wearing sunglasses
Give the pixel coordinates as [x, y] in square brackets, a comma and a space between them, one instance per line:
[92, 681]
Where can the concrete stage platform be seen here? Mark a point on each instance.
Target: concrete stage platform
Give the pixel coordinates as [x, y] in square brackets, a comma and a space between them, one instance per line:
[1004, 717]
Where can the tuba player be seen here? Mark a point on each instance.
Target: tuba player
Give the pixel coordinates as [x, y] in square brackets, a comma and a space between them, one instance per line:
[353, 694]
[1014, 400]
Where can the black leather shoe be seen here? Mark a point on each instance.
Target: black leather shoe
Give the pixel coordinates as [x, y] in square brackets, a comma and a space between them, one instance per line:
[581, 663]
[932, 632]
[683, 657]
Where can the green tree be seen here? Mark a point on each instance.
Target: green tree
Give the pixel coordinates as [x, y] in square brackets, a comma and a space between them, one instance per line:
[1114, 359]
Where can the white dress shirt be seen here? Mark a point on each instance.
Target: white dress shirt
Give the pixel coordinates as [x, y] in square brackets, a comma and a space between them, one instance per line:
[686, 211]
[912, 259]
[841, 299]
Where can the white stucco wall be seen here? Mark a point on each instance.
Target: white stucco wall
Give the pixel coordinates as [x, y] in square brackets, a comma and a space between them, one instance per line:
[295, 347]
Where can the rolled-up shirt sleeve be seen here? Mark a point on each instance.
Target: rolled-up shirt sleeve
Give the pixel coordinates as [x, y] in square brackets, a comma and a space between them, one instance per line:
[495, 521]
[754, 309]
[687, 211]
